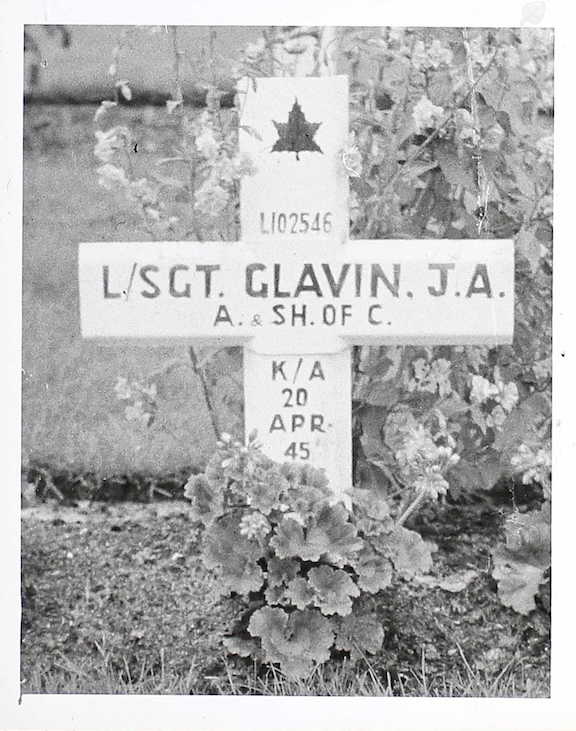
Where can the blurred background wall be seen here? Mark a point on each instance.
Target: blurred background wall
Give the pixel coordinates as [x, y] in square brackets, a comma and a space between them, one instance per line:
[74, 67]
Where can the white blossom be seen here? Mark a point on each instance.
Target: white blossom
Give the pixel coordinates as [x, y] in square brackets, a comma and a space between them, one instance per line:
[482, 389]
[439, 54]
[211, 199]
[545, 147]
[110, 176]
[426, 114]
[207, 145]
[109, 142]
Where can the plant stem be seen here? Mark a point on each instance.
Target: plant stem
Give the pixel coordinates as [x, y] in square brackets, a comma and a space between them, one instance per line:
[206, 391]
[179, 97]
[481, 179]
[410, 509]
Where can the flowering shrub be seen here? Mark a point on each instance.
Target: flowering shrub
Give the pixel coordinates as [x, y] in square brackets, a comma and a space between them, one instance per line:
[454, 138]
[274, 535]
[192, 191]
[451, 137]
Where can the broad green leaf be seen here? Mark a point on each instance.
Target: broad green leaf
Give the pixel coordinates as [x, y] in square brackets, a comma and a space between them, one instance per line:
[300, 593]
[481, 475]
[233, 556]
[305, 500]
[328, 534]
[280, 571]
[381, 393]
[440, 87]
[374, 571]
[453, 406]
[528, 536]
[518, 582]
[510, 93]
[407, 551]
[205, 497]
[297, 641]
[456, 171]
[266, 489]
[372, 419]
[305, 475]
[394, 75]
[523, 423]
[276, 595]
[333, 589]
[358, 635]
[529, 247]
[371, 503]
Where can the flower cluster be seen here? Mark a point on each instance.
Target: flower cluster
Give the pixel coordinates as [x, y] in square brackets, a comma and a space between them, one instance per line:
[217, 163]
[431, 57]
[141, 400]
[424, 453]
[534, 465]
[492, 402]
[194, 189]
[480, 51]
[110, 142]
[427, 115]
[254, 525]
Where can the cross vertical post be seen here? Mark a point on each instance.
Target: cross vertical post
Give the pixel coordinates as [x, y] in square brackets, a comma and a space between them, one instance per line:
[297, 385]
[294, 292]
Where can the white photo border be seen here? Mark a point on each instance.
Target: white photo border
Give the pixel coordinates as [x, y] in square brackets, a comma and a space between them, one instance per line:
[218, 712]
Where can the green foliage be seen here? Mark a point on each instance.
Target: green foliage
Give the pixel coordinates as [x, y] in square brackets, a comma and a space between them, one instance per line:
[451, 137]
[303, 563]
[358, 635]
[463, 149]
[454, 140]
[297, 641]
[521, 564]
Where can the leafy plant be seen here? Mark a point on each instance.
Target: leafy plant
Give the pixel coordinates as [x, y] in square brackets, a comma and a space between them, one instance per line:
[454, 140]
[521, 564]
[303, 563]
[451, 137]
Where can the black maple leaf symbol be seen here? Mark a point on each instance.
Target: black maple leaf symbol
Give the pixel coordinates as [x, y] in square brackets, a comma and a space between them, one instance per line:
[296, 135]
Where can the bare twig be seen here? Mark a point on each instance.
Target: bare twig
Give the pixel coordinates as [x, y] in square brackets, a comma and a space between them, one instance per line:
[199, 371]
[481, 178]
[179, 98]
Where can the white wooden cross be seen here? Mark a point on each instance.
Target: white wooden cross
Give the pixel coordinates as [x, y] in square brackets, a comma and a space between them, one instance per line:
[295, 293]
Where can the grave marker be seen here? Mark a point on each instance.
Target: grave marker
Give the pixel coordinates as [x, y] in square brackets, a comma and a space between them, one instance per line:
[295, 293]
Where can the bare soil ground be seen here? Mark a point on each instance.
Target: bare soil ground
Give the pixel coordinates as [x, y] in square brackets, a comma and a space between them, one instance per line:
[115, 599]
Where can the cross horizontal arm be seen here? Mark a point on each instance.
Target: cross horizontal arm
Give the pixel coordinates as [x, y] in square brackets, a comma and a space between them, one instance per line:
[290, 298]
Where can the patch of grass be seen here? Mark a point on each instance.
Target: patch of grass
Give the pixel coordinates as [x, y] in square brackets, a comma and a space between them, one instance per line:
[514, 680]
[332, 679]
[70, 413]
[102, 676]
[339, 679]
[335, 679]
[116, 600]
